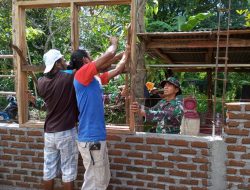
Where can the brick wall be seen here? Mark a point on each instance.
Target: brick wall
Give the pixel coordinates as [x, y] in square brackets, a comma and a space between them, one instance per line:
[237, 140]
[142, 161]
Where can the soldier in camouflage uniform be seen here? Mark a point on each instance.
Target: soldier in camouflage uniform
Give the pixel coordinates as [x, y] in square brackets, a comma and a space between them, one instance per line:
[168, 112]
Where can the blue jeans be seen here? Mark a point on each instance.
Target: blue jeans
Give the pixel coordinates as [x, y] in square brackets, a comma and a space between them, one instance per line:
[60, 152]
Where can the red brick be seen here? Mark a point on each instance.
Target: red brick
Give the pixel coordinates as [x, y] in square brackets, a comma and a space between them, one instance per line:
[124, 175]
[165, 164]
[238, 132]
[233, 107]
[236, 148]
[236, 163]
[40, 140]
[231, 140]
[8, 138]
[31, 179]
[134, 139]
[205, 182]
[245, 172]
[22, 172]
[246, 141]
[199, 188]
[166, 179]
[144, 177]
[243, 186]
[36, 146]
[204, 152]
[28, 165]
[10, 164]
[115, 152]
[233, 124]
[115, 167]
[21, 158]
[3, 131]
[16, 132]
[230, 155]
[177, 173]
[165, 149]
[204, 167]
[152, 140]
[36, 173]
[113, 181]
[18, 145]
[14, 177]
[34, 133]
[178, 143]
[156, 185]
[10, 151]
[187, 151]
[154, 156]
[26, 139]
[4, 144]
[231, 171]
[5, 157]
[143, 147]
[245, 156]
[187, 166]
[143, 162]
[5, 182]
[189, 182]
[22, 184]
[199, 174]
[122, 146]
[113, 138]
[199, 144]
[177, 158]
[134, 169]
[247, 124]
[135, 154]
[156, 170]
[238, 116]
[200, 160]
[178, 188]
[135, 183]
[235, 178]
[122, 160]
[247, 107]
[37, 160]
[27, 152]
[4, 170]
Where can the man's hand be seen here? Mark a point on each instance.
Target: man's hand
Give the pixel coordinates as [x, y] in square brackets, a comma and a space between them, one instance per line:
[135, 107]
[113, 40]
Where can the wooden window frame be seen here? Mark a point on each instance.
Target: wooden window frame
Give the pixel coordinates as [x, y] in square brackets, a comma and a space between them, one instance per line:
[19, 40]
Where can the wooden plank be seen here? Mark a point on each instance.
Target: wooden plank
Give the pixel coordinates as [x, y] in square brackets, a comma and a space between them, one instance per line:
[6, 56]
[33, 68]
[197, 44]
[3, 76]
[7, 93]
[67, 3]
[74, 26]
[193, 33]
[132, 63]
[22, 78]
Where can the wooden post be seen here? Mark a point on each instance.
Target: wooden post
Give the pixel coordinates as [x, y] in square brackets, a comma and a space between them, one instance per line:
[19, 23]
[74, 27]
[138, 71]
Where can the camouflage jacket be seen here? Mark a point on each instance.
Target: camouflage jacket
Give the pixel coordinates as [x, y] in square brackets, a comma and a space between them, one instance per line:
[167, 114]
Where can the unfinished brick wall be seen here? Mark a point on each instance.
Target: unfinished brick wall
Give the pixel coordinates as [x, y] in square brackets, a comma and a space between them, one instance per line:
[237, 140]
[141, 161]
